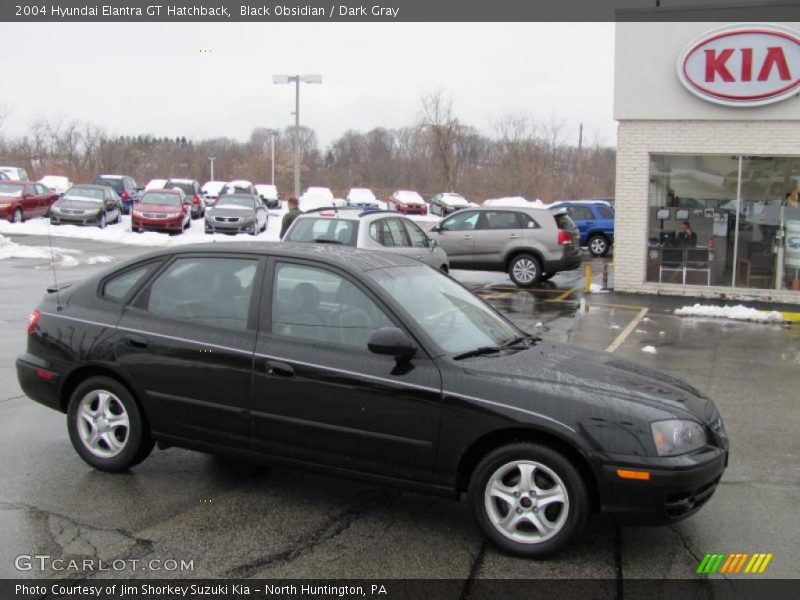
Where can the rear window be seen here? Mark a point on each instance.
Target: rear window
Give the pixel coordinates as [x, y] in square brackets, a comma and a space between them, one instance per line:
[338, 231]
[187, 188]
[564, 222]
[115, 183]
[605, 212]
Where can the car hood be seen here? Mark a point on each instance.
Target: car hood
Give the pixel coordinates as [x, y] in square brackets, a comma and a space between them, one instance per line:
[568, 371]
[78, 204]
[158, 208]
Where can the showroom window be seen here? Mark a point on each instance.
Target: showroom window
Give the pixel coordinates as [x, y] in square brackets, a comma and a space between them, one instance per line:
[723, 220]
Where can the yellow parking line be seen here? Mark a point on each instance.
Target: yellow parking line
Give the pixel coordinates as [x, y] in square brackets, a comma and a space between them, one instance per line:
[794, 317]
[627, 331]
[566, 294]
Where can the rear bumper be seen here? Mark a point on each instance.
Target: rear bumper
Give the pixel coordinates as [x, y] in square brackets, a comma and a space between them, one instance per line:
[670, 495]
[568, 262]
[41, 390]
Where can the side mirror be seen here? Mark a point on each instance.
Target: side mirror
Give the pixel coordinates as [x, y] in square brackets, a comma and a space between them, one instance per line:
[391, 341]
[433, 244]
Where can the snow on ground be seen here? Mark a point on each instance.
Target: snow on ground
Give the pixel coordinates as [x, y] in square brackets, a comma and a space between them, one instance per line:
[64, 256]
[650, 350]
[596, 288]
[738, 313]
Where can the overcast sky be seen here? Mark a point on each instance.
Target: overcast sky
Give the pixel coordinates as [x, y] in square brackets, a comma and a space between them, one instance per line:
[153, 78]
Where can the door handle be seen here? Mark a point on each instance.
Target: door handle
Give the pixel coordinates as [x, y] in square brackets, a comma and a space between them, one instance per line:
[513, 235]
[467, 237]
[278, 368]
[136, 341]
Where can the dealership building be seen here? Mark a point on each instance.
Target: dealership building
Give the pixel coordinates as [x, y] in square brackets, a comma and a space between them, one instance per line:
[708, 159]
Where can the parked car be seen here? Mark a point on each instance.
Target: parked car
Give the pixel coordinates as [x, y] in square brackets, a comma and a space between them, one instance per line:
[56, 183]
[269, 195]
[20, 200]
[155, 184]
[191, 188]
[372, 365]
[369, 229]
[446, 203]
[595, 221]
[124, 185]
[237, 213]
[407, 202]
[316, 197]
[3, 176]
[167, 210]
[211, 191]
[531, 244]
[87, 204]
[15, 173]
[361, 197]
[238, 186]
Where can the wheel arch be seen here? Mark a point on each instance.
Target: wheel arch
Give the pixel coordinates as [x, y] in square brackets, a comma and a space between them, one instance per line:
[501, 437]
[74, 379]
[512, 254]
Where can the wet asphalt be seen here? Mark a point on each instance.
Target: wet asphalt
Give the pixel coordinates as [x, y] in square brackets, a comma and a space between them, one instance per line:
[238, 520]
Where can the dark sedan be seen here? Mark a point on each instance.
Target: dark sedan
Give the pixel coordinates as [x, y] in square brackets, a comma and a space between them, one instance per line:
[372, 365]
[87, 204]
[237, 213]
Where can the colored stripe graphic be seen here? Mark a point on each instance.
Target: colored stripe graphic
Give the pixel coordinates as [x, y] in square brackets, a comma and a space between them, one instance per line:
[721, 562]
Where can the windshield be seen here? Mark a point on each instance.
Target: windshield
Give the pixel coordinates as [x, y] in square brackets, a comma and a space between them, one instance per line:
[242, 201]
[161, 198]
[10, 189]
[456, 319]
[336, 231]
[90, 194]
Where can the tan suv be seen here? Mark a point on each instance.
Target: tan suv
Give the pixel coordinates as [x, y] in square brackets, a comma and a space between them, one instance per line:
[531, 244]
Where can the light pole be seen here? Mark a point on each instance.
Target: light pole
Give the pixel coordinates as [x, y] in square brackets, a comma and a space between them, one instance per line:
[296, 79]
[272, 154]
[211, 160]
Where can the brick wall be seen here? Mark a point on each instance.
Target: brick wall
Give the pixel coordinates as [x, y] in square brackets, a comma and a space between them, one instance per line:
[636, 140]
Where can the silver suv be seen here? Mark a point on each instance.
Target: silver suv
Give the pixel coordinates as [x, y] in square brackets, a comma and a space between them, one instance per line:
[531, 244]
[371, 229]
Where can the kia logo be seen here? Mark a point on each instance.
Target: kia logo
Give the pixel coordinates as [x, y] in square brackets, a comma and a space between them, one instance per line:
[742, 65]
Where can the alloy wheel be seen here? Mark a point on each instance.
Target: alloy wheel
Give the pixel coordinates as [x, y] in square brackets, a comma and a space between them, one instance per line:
[525, 270]
[598, 246]
[103, 423]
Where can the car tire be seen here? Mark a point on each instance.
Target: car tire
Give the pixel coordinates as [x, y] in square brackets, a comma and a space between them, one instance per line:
[209, 230]
[512, 483]
[525, 270]
[16, 216]
[547, 276]
[444, 269]
[105, 425]
[101, 221]
[254, 229]
[598, 245]
[54, 222]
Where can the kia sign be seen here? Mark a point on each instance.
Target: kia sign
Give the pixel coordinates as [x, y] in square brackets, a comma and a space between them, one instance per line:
[742, 65]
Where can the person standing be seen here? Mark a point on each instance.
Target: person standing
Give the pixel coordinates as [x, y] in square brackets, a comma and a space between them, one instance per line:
[686, 238]
[290, 216]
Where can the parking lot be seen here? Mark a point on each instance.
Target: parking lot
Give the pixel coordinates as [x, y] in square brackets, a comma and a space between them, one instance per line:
[240, 520]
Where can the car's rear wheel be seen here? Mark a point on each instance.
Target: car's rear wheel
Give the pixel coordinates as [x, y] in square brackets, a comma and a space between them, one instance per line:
[529, 499]
[598, 245]
[105, 425]
[16, 216]
[525, 270]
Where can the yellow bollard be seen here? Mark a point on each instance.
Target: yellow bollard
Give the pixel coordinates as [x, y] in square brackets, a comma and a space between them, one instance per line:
[587, 283]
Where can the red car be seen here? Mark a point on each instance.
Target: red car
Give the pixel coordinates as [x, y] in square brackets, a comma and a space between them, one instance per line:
[407, 202]
[20, 200]
[162, 210]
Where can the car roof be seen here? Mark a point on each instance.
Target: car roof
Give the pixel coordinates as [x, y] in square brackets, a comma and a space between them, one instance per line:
[341, 256]
[560, 202]
[91, 185]
[179, 180]
[111, 176]
[19, 181]
[164, 191]
[348, 213]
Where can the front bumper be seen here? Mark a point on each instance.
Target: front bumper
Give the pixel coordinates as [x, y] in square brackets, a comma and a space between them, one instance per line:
[412, 210]
[227, 227]
[170, 224]
[75, 219]
[678, 487]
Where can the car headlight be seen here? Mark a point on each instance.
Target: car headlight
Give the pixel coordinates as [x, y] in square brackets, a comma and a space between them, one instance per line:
[136, 213]
[677, 436]
[53, 208]
[247, 219]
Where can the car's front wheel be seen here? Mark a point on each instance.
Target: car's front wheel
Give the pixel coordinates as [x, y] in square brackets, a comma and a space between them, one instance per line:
[529, 499]
[598, 245]
[525, 270]
[101, 222]
[16, 216]
[105, 425]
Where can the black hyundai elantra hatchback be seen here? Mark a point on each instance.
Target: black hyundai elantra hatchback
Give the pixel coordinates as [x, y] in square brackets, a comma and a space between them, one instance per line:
[373, 365]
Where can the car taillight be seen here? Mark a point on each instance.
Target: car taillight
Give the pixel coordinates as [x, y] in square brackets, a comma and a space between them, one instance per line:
[564, 237]
[124, 195]
[33, 321]
[195, 200]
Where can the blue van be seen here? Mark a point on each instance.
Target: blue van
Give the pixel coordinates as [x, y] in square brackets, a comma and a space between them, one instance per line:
[595, 221]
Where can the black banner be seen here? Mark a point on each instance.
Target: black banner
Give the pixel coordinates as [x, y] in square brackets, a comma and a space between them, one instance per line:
[398, 10]
[403, 589]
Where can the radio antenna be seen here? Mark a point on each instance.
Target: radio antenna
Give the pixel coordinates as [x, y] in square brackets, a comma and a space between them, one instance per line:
[53, 263]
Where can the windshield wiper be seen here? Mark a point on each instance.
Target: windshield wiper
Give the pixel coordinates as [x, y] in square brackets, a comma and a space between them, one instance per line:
[520, 339]
[326, 241]
[479, 352]
[515, 343]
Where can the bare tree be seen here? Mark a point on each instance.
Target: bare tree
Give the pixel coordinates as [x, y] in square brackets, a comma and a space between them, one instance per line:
[444, 131]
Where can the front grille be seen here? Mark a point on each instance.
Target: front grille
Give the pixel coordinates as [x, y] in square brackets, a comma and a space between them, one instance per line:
[72, 211]
[227, 219]
[154, 215]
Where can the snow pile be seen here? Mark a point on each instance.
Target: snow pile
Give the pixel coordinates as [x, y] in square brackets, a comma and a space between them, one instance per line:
[650, 350]
[596, 288]
[737, 313]
[514, 201]
[9, 249]
[95, 260]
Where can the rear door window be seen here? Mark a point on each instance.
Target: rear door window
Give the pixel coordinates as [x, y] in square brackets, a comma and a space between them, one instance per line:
[499, 220]
[605, 212]
[118, 287]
